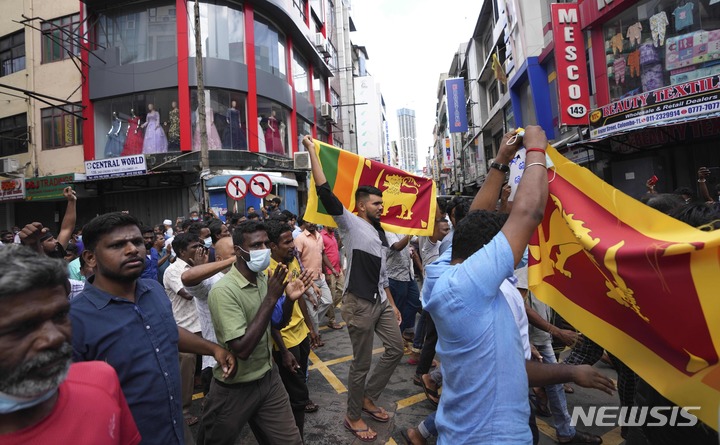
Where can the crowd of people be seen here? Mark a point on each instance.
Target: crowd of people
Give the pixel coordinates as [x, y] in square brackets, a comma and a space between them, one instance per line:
[108, 327]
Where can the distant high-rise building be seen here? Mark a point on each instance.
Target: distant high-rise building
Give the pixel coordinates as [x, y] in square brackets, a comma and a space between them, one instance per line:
[408, 145]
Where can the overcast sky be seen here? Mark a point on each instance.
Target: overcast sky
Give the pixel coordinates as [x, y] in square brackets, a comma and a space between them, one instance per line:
[409, 43]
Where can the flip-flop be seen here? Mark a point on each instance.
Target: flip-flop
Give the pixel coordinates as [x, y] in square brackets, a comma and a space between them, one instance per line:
[356, 432]
[374, 414]
[311, 407]
[430, 394]
[583, 437]
[334, 326]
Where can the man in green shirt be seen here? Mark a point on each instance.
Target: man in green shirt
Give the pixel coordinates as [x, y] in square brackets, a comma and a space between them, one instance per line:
[241, 305]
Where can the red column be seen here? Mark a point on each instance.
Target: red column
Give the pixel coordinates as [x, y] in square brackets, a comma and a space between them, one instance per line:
[312, 100]
[597, 52]
[88, 113]
[183, 92]
[252, 111]
[293, 113]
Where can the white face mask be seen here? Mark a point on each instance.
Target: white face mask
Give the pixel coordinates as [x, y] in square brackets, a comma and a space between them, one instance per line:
[259, 259]
[208, 242]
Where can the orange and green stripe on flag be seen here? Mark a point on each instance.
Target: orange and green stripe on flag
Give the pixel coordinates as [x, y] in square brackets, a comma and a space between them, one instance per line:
[410, 201]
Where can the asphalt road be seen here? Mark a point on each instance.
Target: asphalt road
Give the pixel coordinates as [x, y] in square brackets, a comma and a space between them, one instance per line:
[404, 401]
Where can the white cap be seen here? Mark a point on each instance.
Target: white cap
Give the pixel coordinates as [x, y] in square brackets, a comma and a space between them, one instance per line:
[167, 222]
[522, 276]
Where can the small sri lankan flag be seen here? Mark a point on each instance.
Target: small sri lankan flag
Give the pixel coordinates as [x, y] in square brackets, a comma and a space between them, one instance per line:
[409, 201]
[639, 283]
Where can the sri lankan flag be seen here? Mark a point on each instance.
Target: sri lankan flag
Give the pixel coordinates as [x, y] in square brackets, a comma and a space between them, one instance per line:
[639, 283]
[408, 200]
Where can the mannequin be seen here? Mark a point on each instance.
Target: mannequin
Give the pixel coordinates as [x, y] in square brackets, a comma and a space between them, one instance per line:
[155, 140]
[173, 133]
[214, 142]
[115, 141]
[134, 137]
[234, 136]
[261, 134]
[272, 135]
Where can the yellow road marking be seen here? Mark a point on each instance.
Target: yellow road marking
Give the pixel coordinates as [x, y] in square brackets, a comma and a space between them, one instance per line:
[409, 401]
[613, 437]
[335, 361]
[544, 428]
[198, 396]
[391, 442]
[325, 328]
[327, 373]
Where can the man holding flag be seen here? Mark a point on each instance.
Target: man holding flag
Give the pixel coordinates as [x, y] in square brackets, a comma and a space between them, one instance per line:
[368, 306]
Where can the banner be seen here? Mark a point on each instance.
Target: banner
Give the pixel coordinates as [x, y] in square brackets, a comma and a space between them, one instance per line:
[115, 167]
[448, 155]
[47, 187]
[457, 113]
[572, 73]
[637, 282]
[698, 97]
[409, 201]
[12, 190]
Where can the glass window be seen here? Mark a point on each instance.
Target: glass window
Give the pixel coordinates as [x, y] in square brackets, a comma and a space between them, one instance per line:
[146, 122]
[137, 33]
[493, 95]
[223, 32]
[333, 61]
[300, 5]
[12, 53]
[273, 126]
[13, 135]
[300, 75]
[658, 43]
[319, 85]
[60, 38]
[225, 120]
[304, 129]
[318, 7]
[270, 49]
[60, 128]
[331, 18]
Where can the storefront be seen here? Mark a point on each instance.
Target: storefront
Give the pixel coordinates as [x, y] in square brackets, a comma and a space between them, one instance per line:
[656, 72]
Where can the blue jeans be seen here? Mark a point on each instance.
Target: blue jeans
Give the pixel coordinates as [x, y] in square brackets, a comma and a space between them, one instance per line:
[427, 427]
[407, 300]
[556, 397]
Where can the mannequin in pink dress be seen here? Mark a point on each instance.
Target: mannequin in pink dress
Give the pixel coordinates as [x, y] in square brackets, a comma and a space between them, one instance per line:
[273, 139]
[214, 141]
[134, 140]
[155, 139]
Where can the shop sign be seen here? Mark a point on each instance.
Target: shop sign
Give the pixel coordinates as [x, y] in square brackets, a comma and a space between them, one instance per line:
[115, 167]
[456, 108]
[47, 187]
[572, 75]
[668, 104]
[580, 155]
[448, 155]
[12, 190]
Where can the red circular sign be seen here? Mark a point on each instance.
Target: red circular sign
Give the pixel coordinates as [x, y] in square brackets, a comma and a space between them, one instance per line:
[236, 188]
[260, 185]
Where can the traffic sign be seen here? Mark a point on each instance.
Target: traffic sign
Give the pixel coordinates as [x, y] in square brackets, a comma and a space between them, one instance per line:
[260, 185]
[236, 188]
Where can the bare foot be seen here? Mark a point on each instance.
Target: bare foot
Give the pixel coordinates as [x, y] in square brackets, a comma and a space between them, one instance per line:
[360, 429]
[413, 436]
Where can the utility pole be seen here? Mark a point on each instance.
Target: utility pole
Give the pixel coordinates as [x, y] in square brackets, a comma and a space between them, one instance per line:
[204, 160]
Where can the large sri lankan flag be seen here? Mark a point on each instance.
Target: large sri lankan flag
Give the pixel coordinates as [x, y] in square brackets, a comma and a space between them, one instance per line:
[409, 201]
[639, 283]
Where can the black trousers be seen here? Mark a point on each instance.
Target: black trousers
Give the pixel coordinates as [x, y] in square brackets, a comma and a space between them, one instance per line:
[295, 384]
[428, 350]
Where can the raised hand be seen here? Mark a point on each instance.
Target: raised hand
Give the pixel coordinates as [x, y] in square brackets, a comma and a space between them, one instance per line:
[69, 194]
[299, 285]
[276, 282]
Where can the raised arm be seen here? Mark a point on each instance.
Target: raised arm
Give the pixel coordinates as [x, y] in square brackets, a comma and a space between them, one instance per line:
[486, 197]
[531, 196]
[68, 222]
[702, 175]
[196, 274]
[317, 171]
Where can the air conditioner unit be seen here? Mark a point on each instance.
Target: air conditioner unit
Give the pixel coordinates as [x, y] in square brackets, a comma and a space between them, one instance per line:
[321, 44]
[9, 165]
[327, 111]
[301, 160]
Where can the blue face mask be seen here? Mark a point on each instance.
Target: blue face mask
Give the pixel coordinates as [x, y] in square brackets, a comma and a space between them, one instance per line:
[11, 404]
[208, 242]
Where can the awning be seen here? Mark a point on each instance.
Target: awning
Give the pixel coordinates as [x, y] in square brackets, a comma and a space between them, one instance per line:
[219, 179]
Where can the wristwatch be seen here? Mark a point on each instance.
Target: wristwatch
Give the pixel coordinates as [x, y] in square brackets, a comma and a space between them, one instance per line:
[502, 167]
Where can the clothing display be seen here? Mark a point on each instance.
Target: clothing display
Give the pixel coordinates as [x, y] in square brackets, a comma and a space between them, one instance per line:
[115, 139]
[272, 137]
[684, 16]
[616, 42]
[173, 134]
[648, 54]
[658, 24]
[633, 62]
[652, 77]
[234, 136]
[619, 69]
[155, 140]
[213, 137]
[634, 33]
[134, 138]
[261, 136]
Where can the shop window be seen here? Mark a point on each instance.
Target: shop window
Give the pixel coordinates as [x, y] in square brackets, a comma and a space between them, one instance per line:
[658, 43]
[300, 75]
[273, 127]
[138, 34]
[61, 38]
[13, 135]
[319, 84]
[223, 32]
[304, 129]
[225, 120]
[60, 128]
[12, 53]
[270, 51]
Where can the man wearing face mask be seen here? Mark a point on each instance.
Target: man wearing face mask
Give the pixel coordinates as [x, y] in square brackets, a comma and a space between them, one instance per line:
[43, 396]
[186, 245]
[241, 307]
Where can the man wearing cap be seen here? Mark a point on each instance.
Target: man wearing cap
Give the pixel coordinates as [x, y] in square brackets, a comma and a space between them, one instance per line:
[168, 229]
